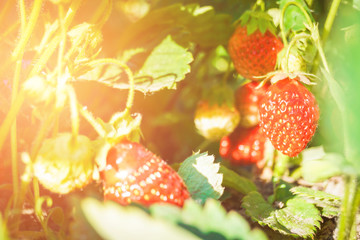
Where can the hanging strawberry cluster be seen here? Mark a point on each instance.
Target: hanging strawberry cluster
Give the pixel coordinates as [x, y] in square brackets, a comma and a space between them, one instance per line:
[284, 112]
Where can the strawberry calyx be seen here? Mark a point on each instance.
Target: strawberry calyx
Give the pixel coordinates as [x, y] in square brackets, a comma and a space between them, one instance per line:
[257, 20]
[290, 60]
[276, 76]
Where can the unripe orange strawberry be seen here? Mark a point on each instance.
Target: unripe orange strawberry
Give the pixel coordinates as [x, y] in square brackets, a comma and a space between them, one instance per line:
[215, 121]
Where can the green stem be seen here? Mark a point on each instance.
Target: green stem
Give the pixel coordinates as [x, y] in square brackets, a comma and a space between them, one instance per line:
[203, 145]
[90, 118]
[29, 29]
[13, 130]
[282, 28]
[46, 48]
[348, 208]
[62, 42]
[128, 72]
[41, 135]
[309, 3]
[259, 3]
[330, 19]
[22, 15]
[354, 213]
[10, 117]
[227, 73]
[103, 13]
[74, 112]
[327, 28]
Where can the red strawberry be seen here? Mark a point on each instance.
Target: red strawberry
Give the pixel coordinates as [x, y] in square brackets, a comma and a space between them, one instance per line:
[248, 100]
[134, 174]
[253, 50]
[244, 146]
[289, 115]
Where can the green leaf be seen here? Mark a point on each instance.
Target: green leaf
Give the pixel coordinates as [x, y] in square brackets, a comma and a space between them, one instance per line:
[165, 66]
[112, 221]
[208, 222]
[252, 26]
[201, 176]
[300, 217]
[185, 23]
[297, 218]
[326, 166]
[237, 182]
[329, 204]
[206, 27]
[294, 19]
[262, 212]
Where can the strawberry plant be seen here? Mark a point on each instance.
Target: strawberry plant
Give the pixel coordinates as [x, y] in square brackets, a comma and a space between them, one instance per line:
[184, 119]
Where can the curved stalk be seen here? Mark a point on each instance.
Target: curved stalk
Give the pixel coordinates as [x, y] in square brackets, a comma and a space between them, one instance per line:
[282, 28]
[62, 42]
[103, 13]
[130, 75]
[90, 118]
[22, 15]
[29, 29]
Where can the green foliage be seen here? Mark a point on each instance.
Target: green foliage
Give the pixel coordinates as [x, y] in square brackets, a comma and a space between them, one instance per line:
[318, 165]
[201, 176]
[329, 204]
[297, 217]
[294, 18]
[165, 66]
[184, 22]
[208, 222]
[237, 182]
[111, 221]
[257, 20]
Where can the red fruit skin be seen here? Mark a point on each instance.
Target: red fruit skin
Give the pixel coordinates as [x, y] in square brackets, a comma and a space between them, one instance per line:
[134, 174]
[289, 116]
[255, 54]
[244, 146]
[248, 100]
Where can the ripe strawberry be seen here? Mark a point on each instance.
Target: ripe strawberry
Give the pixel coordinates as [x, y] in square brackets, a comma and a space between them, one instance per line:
[254, 46]
[215, 121]
[244, 146]
[289, 115]
[134, 174]
[248, 100]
